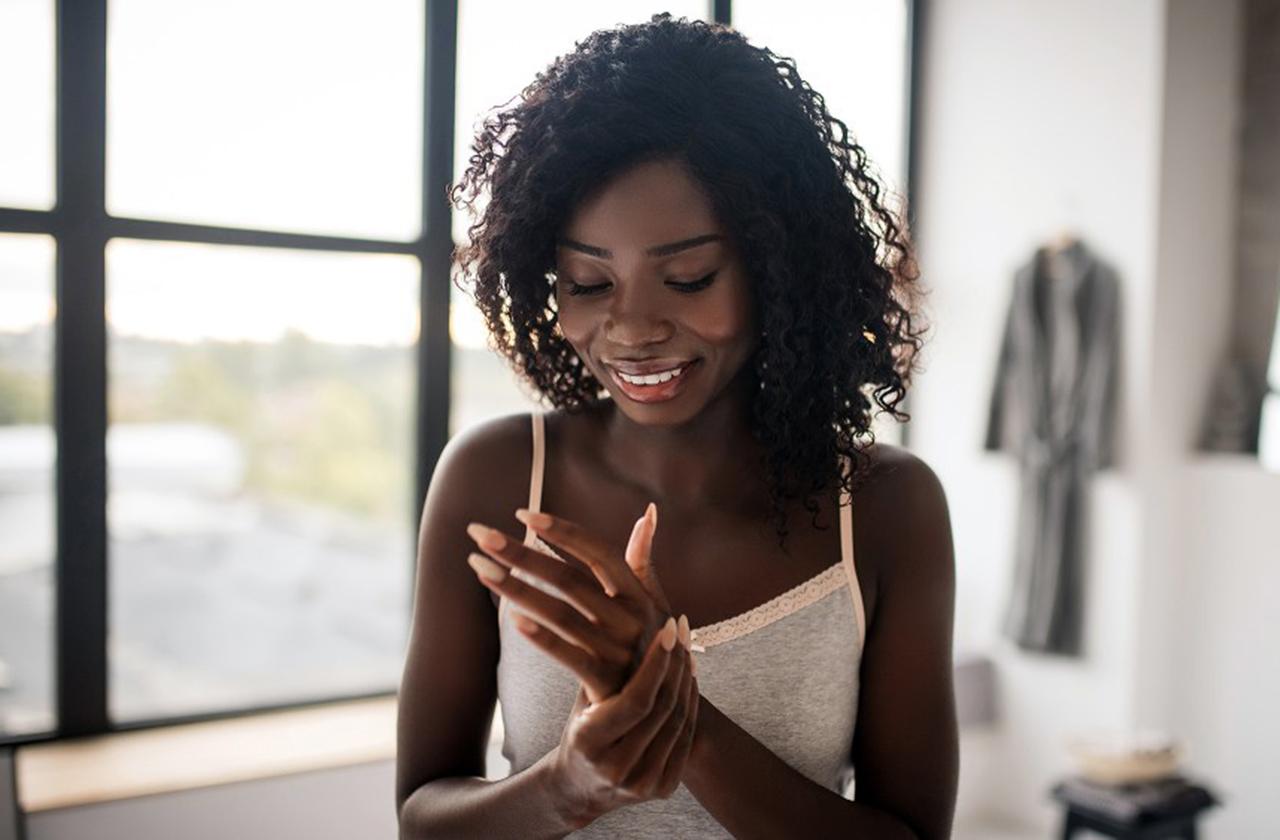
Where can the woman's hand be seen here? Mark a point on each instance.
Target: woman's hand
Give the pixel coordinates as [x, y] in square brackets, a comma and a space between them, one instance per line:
[597, 633]
[631, 747]
[621, 746]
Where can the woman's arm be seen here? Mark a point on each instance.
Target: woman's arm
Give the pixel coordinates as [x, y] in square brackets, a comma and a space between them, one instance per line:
[906, 750]
[449, 685]
[521, 805]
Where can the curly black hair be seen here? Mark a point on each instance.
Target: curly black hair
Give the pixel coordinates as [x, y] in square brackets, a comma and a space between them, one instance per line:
[832, 272]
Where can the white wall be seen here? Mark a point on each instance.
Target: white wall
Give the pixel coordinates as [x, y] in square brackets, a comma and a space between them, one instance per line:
[1035, 117]
[1226, 686]
[1117, 120]
[1190, 313]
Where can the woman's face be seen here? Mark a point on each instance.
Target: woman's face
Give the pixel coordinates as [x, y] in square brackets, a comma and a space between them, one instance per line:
[648, 285]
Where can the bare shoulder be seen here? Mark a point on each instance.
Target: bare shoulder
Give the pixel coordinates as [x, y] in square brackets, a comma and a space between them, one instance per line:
[907, 504]
[483, 471]
[895, 469]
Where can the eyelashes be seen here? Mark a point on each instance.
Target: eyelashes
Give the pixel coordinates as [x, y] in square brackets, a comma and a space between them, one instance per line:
[696, 285]
[578, 289]
[685, 288]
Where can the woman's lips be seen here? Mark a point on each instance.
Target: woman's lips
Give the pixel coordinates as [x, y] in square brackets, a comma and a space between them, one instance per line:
[659, 392]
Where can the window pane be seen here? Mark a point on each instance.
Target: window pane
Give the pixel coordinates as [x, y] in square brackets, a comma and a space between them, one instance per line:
[857, 59]
[484, 385]
[1269, 433]
[26, 484]
[260, 471]
[1273, 367]
[287, 114]
[527, 39]
[26, 101]
[1269, 426]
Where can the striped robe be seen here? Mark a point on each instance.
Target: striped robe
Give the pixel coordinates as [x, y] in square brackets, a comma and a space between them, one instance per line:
[1052, 405]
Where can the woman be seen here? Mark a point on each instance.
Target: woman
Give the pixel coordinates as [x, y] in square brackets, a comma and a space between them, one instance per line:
[687, 256]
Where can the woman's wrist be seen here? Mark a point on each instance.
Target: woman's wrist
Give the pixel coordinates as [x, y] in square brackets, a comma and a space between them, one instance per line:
[702, 747]
[572, 812]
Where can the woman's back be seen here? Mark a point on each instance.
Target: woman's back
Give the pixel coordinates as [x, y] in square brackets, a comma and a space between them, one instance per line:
[785, 670]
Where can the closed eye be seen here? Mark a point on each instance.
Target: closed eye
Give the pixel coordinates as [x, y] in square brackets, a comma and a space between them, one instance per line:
[693, 286]
[685, 288]
[579, 289]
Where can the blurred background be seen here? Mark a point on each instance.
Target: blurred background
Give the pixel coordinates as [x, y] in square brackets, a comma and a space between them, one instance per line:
[230, 353]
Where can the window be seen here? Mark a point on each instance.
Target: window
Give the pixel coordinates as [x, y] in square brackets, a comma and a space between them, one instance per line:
[27, 449]
[1269, 428]
[26, 100]
[259, 456]
[27, 456]
[285, 115]
[220, 302]
[230, 352]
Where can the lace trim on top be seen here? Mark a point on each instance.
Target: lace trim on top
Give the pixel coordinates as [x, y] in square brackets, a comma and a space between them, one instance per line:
[793, 600]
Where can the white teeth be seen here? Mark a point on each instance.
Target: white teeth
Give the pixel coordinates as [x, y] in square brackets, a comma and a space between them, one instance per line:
[651, 379]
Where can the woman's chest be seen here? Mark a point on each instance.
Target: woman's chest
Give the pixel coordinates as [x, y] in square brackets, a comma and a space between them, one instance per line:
[714, 561]
[792, 683]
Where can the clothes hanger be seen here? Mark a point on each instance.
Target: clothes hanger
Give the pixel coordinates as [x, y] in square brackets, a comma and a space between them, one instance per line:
[1058, 265]
[1064, 239]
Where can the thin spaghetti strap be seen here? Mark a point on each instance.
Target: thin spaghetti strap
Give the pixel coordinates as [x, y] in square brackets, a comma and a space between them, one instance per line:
[535, 472]
[846, 556]
[537, 420]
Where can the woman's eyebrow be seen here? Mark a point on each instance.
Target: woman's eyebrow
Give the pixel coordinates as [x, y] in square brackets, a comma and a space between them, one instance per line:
[655, 251]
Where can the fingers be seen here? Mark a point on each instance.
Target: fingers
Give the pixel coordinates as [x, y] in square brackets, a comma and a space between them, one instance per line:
[551, 612]
[673, 772]
[649, 772]
[615, 715]
[639, 555]
[588, 668]
[640, 546]
[599, 556]
[578, 586]
[629, 749]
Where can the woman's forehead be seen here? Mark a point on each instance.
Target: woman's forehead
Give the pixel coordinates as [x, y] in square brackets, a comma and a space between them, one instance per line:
[650, 204]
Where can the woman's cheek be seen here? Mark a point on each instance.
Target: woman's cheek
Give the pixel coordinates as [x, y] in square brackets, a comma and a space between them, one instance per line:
[575, 325]
[723, 319]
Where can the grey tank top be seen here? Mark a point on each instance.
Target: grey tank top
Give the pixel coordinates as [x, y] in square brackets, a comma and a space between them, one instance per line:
[786, 671]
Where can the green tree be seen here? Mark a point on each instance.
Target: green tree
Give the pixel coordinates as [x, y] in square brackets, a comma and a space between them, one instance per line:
[23, 398]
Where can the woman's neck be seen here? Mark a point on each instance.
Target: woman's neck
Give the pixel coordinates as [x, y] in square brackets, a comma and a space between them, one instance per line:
[713, 458]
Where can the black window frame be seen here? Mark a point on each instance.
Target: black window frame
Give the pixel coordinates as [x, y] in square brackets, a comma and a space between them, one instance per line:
[81, 228]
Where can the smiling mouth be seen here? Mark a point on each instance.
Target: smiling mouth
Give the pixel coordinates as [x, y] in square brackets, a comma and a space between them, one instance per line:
[653, 387]
[656, 378]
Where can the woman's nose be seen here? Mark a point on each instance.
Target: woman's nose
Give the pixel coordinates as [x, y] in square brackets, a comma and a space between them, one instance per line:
[632, 320]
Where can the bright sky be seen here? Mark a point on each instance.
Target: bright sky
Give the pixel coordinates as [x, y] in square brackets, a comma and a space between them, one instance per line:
[299, 115]
[26, 100]
[26, 281]
[188, 292]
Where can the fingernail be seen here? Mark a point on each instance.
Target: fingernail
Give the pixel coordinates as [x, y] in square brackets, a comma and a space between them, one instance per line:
[684, 630]
[486, 568]
[533, 519]
[652, 512]
[525, 623]
[486, 536]
[669, 634]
